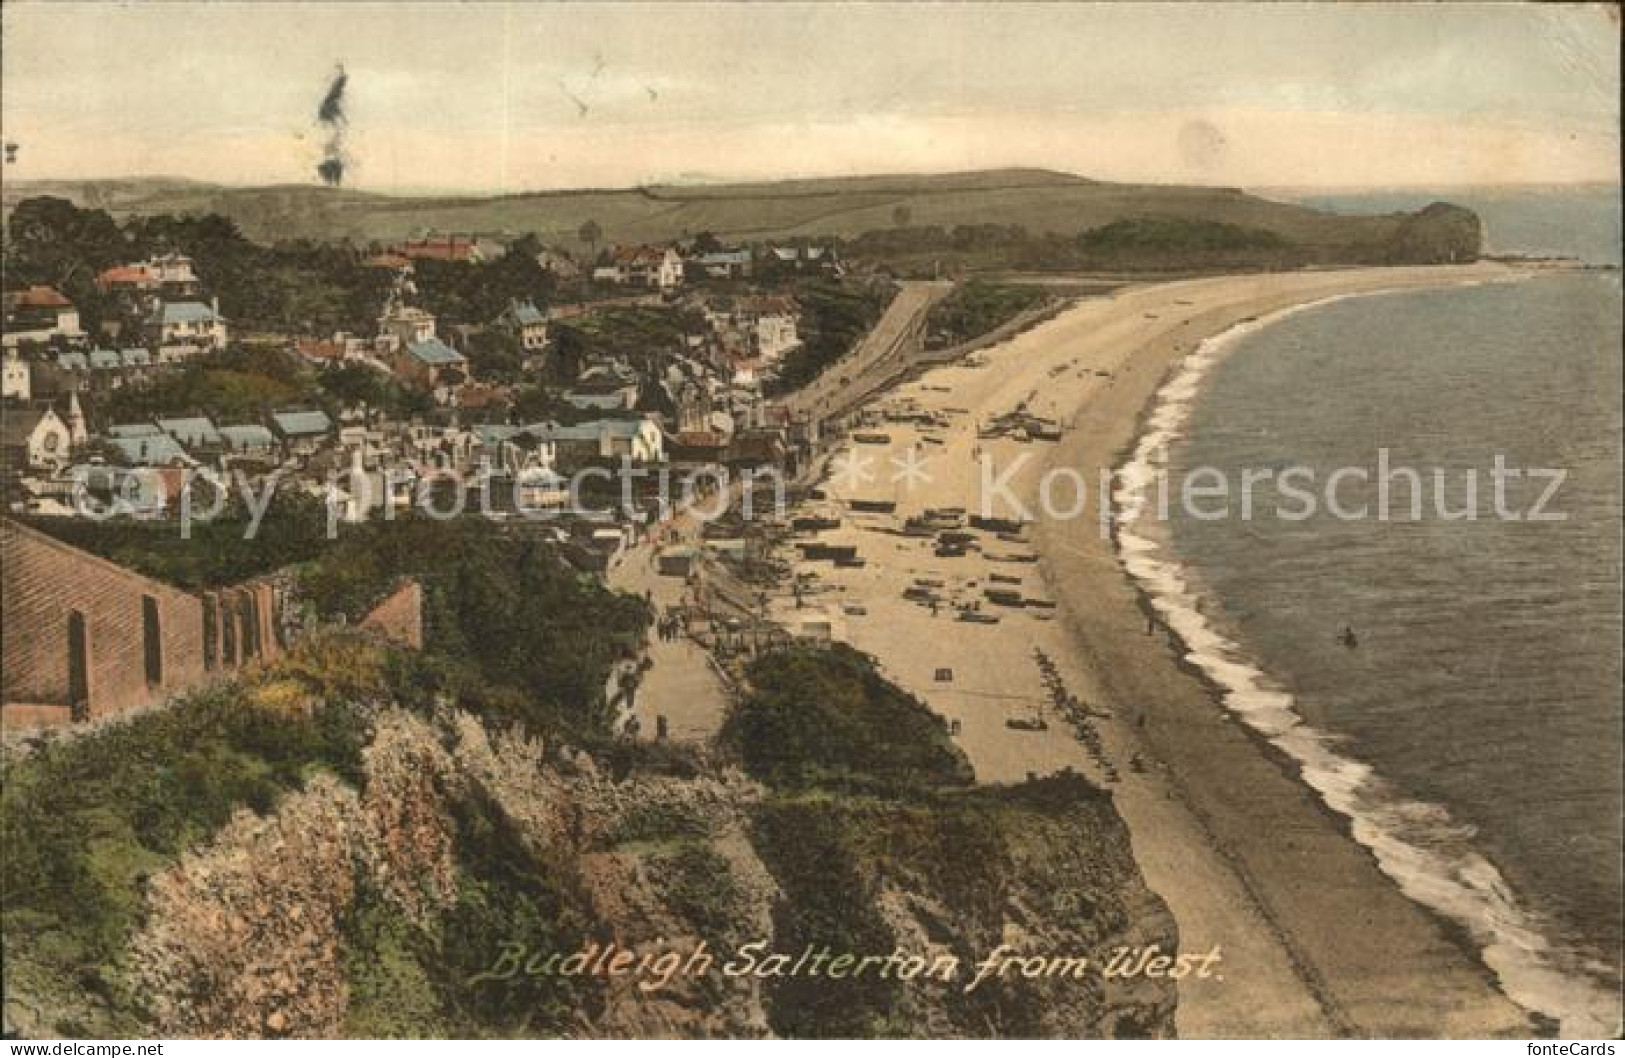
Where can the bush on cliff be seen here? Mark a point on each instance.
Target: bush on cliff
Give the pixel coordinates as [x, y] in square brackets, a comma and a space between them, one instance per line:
[826, 716]
[498, 606]
[84, 822]
[445, 978]
[976, 308]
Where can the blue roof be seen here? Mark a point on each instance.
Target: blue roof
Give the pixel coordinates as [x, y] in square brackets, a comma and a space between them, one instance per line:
[493, 434]
[434, 352]
[187, 312]
[250, 436]
[134, 429]
[105, 360]
[136, 357]
[587, 431]
[527, 313]
[195, 430]
[156, 450]
[302, 423]
[72, 361]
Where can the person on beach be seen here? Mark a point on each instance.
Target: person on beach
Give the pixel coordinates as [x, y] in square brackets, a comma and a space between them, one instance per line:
[1348, 638]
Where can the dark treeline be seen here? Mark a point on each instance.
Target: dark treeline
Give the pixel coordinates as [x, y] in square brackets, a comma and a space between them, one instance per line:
[293, 287]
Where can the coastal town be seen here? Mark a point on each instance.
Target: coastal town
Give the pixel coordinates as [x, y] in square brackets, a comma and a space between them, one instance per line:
[694, 388]
[775, 454]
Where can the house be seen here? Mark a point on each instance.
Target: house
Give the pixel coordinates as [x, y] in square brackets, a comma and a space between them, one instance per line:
[440, 248]
[106, 368]
[696, 448]
[636, 440]
[655, 267]
[109, 368]
[428, 362]
[558, 264]
[451, 447]
[510, 449]
[40, 314]
[389, 262]
[179, 325]
[540, 488]
[127, 279]
[16, 382]
[169, 275]
[193, 433]
[526, 322]
[603, 388]
[36, 438]
[144, 444]
[760, 327]
[489, 248]
[721, 264]
[407, 324]
[247, 440]
[303, 433]
[805, 258]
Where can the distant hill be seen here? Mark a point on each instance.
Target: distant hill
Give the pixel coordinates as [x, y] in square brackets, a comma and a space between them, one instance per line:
[1039, 200]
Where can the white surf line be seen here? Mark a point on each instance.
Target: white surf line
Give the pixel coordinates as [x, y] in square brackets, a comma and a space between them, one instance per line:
[1416, 843]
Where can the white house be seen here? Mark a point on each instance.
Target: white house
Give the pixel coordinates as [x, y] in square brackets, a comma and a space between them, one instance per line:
[187, 323]
[638, 440]
[723, 264]
[172, 274]
[760, 327]
[36, 438]
[17, 380]
[655, 267]
[40, 314]
[527, 323]
[407, 323]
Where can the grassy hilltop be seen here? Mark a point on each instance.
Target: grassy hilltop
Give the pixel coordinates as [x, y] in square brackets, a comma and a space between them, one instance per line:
[1039, 201]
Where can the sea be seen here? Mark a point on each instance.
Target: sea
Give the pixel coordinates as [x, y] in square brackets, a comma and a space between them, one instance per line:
[1448, 679]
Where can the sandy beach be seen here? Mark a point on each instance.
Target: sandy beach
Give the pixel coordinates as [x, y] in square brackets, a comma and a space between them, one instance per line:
[1316, 940]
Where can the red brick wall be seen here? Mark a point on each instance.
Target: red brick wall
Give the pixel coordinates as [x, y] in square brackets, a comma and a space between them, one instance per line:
[15, 715]
[43, 580]
[399, 618]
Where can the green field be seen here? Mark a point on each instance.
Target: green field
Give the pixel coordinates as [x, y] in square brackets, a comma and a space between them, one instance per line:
[1037, 200]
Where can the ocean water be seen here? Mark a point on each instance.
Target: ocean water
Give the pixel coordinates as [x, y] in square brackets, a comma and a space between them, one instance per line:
[1472, 734]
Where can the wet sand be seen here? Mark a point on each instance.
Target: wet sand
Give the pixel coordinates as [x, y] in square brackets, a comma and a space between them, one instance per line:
[1316, 940]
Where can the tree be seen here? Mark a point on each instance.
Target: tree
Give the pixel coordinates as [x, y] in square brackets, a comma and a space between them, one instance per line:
[353, 384]
[495, 356]
[901, 216]
[527, 245]
[51, 241]
[707, 242]
[590, 233]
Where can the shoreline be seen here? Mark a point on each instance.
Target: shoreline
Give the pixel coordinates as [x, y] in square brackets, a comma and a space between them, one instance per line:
[1318, 941]
[1416, 844]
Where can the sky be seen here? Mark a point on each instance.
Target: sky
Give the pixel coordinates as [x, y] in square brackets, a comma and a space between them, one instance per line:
[497, 97]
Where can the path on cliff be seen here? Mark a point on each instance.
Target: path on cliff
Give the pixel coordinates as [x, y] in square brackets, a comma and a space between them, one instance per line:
[682, 685]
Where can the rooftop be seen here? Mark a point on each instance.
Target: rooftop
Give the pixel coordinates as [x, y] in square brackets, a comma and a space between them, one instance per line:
[302, 423]
[187, 312]
[155, 450]
[247, 436]
[434, 352]
[191, 430]
[42, 297]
